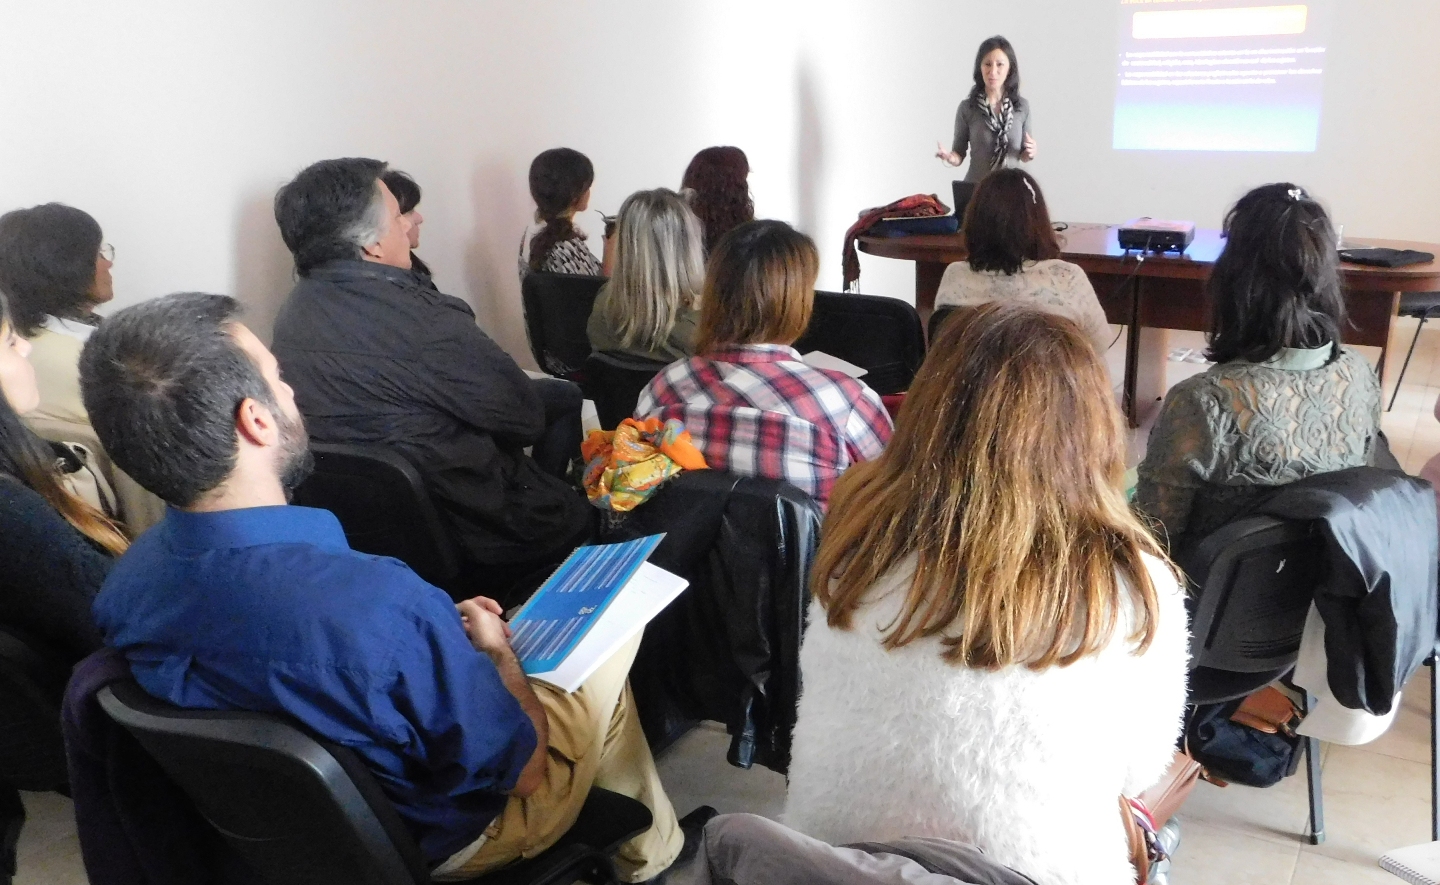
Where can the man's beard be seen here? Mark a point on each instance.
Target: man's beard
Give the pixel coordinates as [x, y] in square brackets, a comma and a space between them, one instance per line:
[296, 462]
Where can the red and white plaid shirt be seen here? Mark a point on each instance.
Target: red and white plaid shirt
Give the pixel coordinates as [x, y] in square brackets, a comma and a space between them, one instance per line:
[757, 410]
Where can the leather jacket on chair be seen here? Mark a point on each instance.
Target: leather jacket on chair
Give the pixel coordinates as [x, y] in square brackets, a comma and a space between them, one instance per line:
[1378, 598]
[728, 649]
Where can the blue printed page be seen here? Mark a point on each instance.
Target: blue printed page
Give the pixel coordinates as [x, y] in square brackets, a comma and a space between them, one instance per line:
[564, 609]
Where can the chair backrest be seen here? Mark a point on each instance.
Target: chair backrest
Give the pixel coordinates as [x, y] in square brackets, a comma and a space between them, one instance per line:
[557, 308]
[288, 805]
[937, 320]
[383, 506]
[614, 382]
[1254, 580]
[881, 335]
[32, 680]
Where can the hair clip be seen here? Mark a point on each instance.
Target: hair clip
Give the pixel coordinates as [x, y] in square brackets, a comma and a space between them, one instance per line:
[1031, 188]
[1295, 194]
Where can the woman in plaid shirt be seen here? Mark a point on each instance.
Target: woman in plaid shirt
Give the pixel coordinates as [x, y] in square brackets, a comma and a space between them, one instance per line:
[750, 403]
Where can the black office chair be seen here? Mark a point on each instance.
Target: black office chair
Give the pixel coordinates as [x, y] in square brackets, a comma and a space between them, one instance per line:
[301, 812]
[32, 752]
[1253, 582]
[1422, 306]
[937, 319]
[557, 307]
[384, 508]
[614, 382]
[881, 335]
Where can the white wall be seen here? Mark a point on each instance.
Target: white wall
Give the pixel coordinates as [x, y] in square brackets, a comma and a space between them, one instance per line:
[174, 121]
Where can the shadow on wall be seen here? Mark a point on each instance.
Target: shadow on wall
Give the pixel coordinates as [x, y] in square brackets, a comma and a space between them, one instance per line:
[264, 270]
[491, 276]
[809, 150]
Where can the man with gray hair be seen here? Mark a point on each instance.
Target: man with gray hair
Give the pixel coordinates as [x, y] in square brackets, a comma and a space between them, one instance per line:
[379, 356]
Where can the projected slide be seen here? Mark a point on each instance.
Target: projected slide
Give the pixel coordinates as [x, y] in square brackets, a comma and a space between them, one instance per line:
[1220, 75]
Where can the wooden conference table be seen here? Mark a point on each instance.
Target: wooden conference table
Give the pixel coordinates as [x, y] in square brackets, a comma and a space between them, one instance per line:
[1168, 292]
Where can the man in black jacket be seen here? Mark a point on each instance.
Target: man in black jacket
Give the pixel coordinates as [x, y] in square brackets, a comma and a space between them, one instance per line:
[376, 355]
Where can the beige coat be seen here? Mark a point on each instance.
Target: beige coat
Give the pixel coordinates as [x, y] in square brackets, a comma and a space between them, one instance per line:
[61, 417]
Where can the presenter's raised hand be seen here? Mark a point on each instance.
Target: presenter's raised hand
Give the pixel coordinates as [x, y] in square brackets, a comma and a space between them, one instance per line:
[949, 158]
[1027, 151]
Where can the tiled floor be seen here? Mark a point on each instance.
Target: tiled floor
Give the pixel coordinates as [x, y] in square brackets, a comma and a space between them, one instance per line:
[1377, 797]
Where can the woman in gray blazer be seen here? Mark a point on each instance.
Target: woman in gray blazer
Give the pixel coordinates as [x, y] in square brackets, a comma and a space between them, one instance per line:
[992, 124]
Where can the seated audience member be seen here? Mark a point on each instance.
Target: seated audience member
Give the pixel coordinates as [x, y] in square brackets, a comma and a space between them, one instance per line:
[1284, 399]
[407, 194]
[648, 309]
[983, 597]
[1015, 257]
[752, 406]
[239, 601]
[54, 548]
[719, 180]
[378, 356]
[55, 267]
[560, 180]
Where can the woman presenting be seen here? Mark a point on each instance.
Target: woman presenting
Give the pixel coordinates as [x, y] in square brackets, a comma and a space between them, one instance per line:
[993, 122]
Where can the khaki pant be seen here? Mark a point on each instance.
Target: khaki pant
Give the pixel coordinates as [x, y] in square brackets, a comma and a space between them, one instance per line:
[595, 740]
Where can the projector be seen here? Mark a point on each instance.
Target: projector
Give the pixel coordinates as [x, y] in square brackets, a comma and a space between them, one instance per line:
[1153, 235]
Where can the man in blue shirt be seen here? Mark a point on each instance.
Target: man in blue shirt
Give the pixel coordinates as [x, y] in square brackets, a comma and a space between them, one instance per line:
[238, 601]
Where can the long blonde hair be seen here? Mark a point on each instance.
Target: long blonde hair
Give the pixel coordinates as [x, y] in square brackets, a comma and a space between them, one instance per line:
[659, 268]
[1003, 479]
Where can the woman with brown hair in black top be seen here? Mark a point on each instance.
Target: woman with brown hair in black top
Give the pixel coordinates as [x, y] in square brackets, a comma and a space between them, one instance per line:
[55, 549]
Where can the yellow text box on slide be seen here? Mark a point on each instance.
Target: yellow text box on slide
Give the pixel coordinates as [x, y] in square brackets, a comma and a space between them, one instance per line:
[1258, 21]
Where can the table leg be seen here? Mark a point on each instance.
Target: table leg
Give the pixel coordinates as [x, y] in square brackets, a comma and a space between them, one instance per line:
[1146, 350]
[1389, 369]
[927, 283]
[1152, 350]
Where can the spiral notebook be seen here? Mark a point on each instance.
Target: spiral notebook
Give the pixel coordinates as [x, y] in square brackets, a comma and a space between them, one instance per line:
[1417, 864]
[597, 600]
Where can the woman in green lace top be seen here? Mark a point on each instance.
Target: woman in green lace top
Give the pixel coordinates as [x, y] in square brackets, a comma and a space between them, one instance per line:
[1284, 400]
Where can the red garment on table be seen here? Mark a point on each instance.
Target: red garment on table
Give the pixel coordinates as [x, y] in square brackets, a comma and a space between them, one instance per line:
[913, 206]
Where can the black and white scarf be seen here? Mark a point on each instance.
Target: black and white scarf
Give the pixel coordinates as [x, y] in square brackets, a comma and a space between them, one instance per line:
[999, 127]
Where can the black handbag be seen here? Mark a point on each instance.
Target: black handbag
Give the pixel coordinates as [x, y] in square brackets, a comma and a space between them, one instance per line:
[1381, 257]
[1238, 753]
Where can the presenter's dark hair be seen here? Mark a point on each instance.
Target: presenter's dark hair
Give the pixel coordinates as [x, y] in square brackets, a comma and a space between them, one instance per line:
[1012, 78]
[558, 177]
[406, 191]
[331, 211]
[1277, 283]
[1008, 224]
[162, 382]
[47, 263]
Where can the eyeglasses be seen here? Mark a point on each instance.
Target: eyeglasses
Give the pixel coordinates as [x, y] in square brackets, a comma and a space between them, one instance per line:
[107, 252]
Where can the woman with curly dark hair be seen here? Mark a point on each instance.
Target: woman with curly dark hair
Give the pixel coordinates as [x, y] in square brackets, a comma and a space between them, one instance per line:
[718, 178]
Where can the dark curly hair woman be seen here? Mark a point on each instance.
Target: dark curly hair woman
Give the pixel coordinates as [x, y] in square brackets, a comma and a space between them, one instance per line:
[717, 176]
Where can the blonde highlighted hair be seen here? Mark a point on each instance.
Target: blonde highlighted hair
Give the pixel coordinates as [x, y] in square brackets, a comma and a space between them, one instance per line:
[659, 268]
[759, 287]
[1004, 480]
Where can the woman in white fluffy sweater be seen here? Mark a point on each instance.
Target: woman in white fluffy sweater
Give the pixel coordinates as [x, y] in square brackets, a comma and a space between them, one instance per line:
[997, 647]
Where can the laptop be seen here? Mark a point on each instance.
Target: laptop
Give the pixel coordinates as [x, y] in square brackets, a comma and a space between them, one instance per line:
[962, 191]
